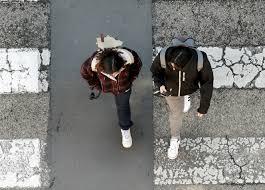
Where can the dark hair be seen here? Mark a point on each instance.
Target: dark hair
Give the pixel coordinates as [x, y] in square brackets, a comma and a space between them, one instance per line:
[180, 56]
[109, 61]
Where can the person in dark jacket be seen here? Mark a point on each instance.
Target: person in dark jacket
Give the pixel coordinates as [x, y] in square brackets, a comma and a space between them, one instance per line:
[178, 79]
[112, 69]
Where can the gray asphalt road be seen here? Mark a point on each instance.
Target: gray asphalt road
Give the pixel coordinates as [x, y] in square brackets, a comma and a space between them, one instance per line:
[84, 139]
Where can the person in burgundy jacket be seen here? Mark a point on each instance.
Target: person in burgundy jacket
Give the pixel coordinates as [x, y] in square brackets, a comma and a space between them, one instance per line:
[112, 69]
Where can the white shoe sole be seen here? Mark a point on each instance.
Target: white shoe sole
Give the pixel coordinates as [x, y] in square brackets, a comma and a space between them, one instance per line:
[172, 158]
[127, 146]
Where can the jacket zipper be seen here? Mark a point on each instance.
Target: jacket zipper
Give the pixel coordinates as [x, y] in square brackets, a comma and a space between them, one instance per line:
[179, 83]
[118, 83]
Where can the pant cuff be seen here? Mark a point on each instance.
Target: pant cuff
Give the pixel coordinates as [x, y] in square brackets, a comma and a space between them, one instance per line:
[126, 127]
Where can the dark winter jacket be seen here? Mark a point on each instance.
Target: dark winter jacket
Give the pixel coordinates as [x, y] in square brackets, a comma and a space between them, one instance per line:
[187, 80]
[123, 81]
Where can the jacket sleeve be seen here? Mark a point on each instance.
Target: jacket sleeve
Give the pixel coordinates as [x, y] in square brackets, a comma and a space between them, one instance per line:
[206, 85]
[90, 76]
[158, 73]
[135, 67]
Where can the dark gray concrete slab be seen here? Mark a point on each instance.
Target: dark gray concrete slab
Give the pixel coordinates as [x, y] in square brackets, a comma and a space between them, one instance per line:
[85, 147]
[24, 115]
[211, 23]
[24, 24]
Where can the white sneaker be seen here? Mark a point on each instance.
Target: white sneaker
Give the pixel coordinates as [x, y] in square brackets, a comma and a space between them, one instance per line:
[126, 138]
[173, 149]
[187, 103]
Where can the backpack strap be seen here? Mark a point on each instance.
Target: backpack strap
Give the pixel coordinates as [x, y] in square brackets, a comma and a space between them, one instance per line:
[163, 54]
[200, 60]
[163, 57]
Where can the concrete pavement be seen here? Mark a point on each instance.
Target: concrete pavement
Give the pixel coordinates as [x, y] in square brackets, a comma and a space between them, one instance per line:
[222, 150]
[85, 141]
[24, 99]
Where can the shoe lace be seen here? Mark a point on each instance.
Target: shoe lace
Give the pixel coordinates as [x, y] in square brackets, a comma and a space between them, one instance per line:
[126, 134]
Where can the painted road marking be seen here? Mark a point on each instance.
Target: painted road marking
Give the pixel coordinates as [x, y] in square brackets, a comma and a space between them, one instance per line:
[20, 163]
[24, 70]
[211, 161]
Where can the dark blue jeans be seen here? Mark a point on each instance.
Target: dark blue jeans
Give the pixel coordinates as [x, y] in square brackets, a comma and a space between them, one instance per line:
[122, 101]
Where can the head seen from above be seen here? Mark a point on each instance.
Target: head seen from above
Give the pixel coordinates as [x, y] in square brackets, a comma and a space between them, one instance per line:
[179, 57]
[110, 61]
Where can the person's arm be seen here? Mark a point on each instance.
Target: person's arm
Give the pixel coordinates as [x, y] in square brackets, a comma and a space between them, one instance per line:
[206, 82]
[158, 73]
[90, 76]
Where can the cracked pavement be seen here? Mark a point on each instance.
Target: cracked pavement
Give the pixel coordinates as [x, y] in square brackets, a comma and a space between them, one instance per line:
[206, 160]
[24, 70]
[18, 154]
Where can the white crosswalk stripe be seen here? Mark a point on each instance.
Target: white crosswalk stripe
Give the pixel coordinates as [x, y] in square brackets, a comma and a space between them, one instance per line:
[24, 70]
[20, 161]
[211, 161]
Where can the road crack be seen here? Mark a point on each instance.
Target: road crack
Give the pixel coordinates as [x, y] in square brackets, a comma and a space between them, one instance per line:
[235, 162]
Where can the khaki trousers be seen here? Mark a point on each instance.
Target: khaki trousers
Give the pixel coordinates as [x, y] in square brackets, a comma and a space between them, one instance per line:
[175, 105]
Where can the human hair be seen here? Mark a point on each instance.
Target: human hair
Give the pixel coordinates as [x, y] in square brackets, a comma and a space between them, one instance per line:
[179, 56]
[110, 61]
